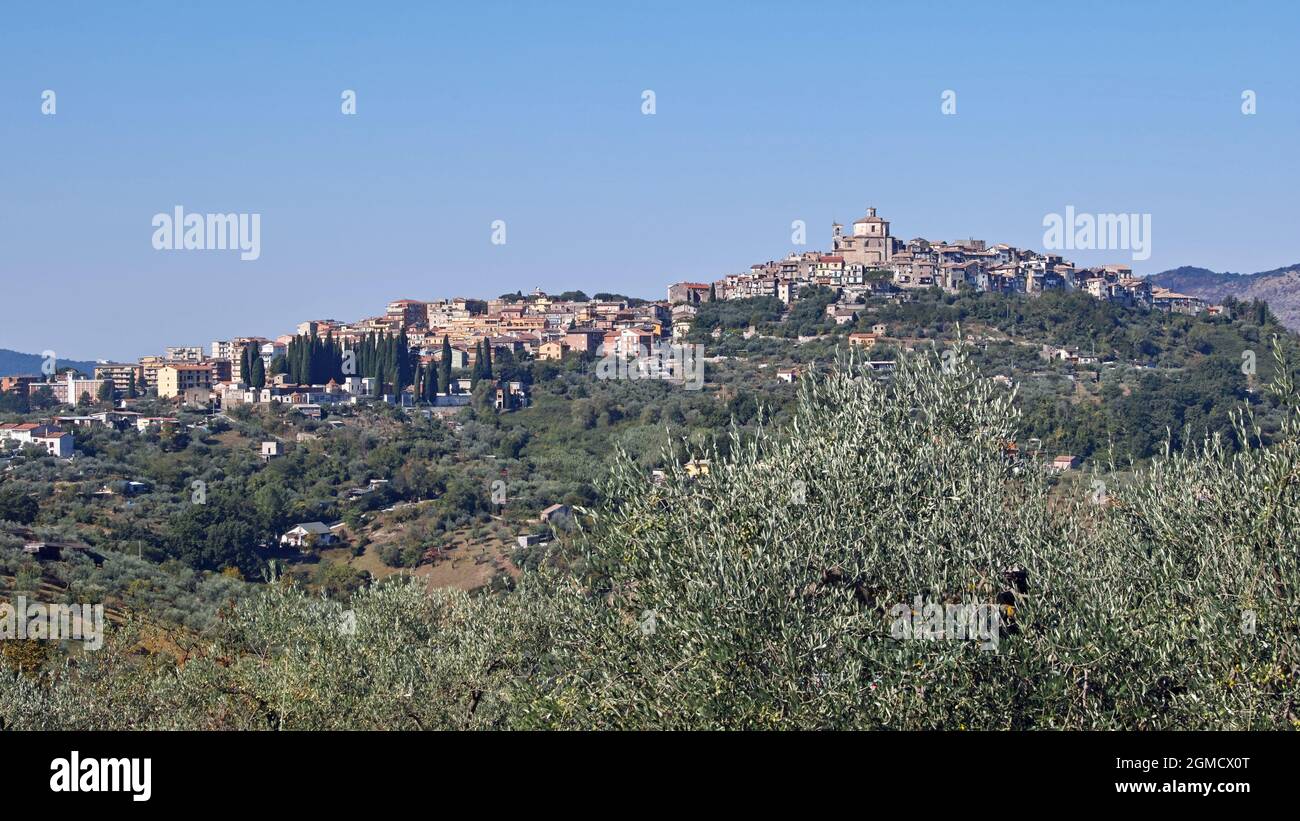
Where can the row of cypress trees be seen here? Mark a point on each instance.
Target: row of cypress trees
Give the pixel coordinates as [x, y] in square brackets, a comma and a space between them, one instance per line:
[314, 360]
[435, 378]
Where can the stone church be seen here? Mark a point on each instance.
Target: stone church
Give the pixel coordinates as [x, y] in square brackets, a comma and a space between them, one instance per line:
[870, 243]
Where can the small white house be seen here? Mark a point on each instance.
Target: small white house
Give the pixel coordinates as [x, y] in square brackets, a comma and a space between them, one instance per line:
[58, 443]
[309, 534]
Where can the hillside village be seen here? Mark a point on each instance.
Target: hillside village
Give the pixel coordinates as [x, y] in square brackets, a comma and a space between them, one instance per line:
[869, 262]
[421, 338]
[468, 445]
[435, 353]
[438, 357]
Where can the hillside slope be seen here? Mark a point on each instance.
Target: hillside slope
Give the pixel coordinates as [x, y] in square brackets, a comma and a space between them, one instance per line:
[1280, 288]
[14, 363]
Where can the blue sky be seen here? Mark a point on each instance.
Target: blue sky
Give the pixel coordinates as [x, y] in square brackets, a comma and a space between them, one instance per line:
[531, 113]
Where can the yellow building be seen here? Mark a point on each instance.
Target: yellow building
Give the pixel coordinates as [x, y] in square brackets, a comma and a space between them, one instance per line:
[552, 350]
[175, 378]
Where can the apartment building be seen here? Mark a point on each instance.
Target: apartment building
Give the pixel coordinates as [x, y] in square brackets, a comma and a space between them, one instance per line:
[175, 378]
[121, 374]
[183, 353]
[68, 388]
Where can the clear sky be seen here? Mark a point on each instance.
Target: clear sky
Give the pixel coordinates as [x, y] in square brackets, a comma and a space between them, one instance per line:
[531, 113]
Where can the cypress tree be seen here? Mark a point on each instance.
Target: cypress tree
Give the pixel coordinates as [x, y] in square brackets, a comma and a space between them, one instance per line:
[313, 355]
[387, 362]
[300, 359]
[444, 367]
[404, 367]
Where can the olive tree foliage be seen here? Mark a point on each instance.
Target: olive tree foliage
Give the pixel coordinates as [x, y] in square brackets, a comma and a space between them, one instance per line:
[756, 595]
[772, 583]
[1213, 543]
[400, 658]
[767, 593]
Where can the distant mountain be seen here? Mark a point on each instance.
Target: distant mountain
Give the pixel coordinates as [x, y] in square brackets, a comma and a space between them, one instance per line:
[14, 363]
[1280, 288]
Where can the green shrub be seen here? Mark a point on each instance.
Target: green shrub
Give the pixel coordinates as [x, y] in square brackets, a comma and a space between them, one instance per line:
[762, 594]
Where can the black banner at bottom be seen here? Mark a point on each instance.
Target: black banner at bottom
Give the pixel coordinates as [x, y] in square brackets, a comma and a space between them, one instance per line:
[145, 772]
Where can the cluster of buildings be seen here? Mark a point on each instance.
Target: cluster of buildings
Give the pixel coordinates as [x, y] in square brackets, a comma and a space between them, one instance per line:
[56, 434]
[868, 260]
[865, 261]
[52, 438]
[538, 326]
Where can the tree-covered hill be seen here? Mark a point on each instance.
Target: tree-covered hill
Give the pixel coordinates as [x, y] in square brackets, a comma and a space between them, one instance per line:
[1280, 288]
[14, 363]
[768, 591]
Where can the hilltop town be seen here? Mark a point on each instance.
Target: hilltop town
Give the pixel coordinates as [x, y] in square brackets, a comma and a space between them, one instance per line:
[869, 261]
[327, 361]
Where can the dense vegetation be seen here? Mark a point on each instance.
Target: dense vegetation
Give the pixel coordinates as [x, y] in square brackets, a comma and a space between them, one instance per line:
[210, 504]
[1156, 374]
[760, 594]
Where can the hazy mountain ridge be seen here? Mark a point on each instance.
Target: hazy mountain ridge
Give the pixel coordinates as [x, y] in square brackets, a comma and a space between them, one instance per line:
[1280, 287]
[17, 363]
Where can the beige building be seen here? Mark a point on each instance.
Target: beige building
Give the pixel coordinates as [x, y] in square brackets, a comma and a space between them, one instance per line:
[870, 243]
[175, 379]
[121, 374]
[149, 366]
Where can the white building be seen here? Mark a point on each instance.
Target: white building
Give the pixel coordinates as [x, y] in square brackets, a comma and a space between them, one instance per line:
[56, 442]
